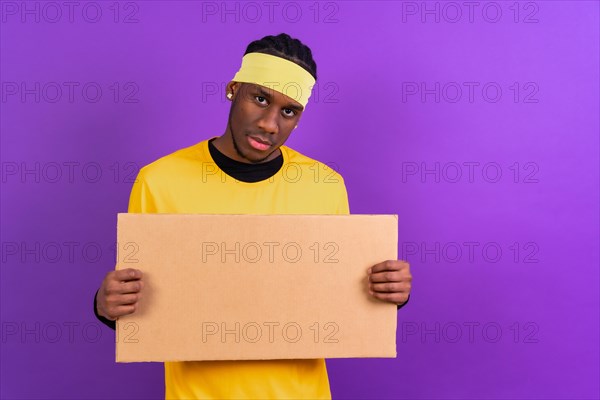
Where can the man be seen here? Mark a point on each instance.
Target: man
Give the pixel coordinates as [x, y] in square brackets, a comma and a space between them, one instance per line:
[244, 172]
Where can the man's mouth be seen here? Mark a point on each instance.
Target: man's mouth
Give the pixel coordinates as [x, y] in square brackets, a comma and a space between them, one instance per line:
[258, 143]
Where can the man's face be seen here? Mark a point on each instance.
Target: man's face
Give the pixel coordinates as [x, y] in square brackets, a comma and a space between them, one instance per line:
[260, 120]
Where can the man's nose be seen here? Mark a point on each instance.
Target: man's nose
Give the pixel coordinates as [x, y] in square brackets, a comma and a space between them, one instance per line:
[269, 121]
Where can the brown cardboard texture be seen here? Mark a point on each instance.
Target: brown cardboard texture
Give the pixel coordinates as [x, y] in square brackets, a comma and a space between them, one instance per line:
[237, 287]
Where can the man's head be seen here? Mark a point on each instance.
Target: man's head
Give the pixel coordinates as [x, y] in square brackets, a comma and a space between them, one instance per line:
[261, 119]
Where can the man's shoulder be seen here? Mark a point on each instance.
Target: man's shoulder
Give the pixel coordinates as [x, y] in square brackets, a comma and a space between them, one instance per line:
[175, 162]
[325, 172]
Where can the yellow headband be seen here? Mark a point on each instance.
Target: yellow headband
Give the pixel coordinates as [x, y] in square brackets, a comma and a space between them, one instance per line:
[276, 73]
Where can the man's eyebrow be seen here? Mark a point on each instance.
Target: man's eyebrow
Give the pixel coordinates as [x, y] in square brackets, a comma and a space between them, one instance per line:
[266, 94]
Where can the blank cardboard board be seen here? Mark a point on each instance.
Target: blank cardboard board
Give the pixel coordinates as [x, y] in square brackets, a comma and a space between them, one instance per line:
[238, 287]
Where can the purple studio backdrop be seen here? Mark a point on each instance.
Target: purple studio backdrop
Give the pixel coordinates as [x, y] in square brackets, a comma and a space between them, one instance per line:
[476, 122]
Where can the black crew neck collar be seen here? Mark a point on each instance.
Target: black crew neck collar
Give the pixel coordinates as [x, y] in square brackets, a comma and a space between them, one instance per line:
[245, 172]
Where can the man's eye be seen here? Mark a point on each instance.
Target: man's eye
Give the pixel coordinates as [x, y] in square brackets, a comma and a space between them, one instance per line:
[260, 97]
[292, 112]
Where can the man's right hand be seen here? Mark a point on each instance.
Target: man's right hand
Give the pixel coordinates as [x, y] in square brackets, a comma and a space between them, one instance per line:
[119, 293]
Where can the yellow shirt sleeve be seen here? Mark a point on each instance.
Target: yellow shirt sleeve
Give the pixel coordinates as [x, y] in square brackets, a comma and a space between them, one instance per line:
[140, 199]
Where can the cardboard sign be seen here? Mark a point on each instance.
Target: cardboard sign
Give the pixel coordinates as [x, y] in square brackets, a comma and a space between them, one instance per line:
[238, 287]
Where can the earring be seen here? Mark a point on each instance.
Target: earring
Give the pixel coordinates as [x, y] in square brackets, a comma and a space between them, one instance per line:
[229, 95]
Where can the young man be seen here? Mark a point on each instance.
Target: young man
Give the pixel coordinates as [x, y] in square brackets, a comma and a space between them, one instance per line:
[248, 170]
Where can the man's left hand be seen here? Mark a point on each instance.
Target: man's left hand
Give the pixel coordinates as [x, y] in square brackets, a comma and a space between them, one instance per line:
[390, 281]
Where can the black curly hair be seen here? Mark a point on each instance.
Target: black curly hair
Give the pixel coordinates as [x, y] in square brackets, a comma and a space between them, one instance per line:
[286, 47]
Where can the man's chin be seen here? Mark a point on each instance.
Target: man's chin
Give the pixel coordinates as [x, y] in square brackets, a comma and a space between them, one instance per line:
[252, 155]
[255, 156]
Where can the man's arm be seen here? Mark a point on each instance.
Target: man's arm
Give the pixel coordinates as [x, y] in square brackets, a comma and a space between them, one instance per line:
[120, 290]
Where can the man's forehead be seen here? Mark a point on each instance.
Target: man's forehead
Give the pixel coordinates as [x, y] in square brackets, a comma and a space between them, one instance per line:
[267, 91]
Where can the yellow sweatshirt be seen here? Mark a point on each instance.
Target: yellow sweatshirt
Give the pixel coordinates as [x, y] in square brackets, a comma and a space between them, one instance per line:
[189, 181]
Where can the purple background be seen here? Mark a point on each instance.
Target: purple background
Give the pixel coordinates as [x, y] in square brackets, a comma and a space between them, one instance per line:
[167, 60]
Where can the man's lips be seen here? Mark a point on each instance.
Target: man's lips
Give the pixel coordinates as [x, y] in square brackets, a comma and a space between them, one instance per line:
[261, 140]
[258, 143]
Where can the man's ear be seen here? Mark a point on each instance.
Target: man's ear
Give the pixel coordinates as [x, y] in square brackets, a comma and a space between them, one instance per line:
[231, 89]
